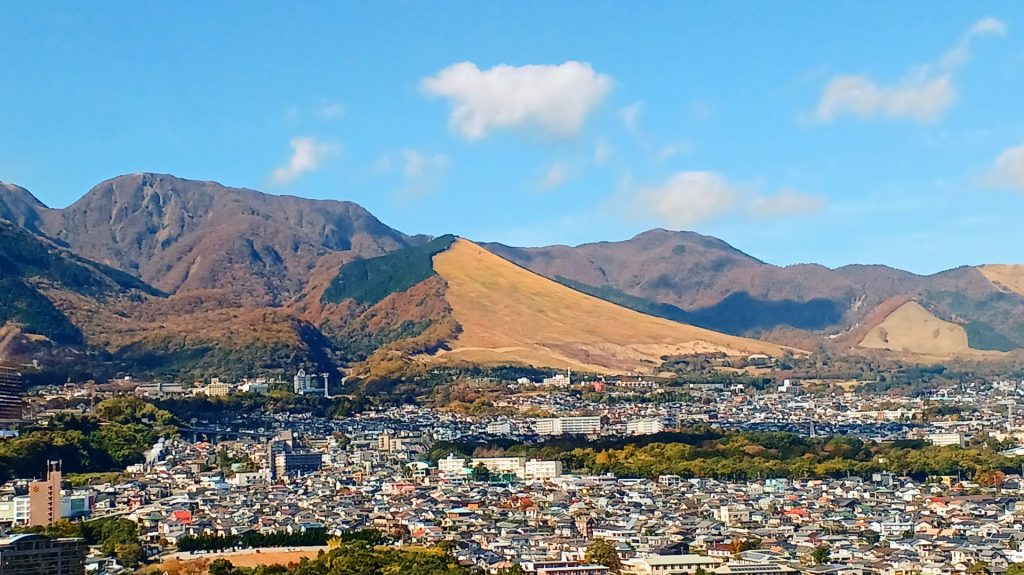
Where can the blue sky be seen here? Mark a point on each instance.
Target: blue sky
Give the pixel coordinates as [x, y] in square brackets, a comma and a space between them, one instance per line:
[828, 132]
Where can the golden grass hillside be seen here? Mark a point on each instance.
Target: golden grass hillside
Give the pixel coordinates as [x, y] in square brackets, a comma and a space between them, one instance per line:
[1005, 277]
[511, 315]
[911, 328]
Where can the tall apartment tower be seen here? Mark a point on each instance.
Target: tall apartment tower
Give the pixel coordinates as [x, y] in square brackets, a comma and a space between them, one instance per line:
[10, 394]
[44, 497]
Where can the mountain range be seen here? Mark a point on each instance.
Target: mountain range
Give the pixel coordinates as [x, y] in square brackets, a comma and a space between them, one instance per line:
[157, 275]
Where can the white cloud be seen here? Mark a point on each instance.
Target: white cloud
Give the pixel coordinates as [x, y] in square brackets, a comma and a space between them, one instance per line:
[331, 110]
[417, 164]
[919, 97]
[961, 52]
[384, 164]
[922, 95]
[602, 151]
[555, 99]
[1008, 170]
[555, 176]
[690, 198]
[421, 171]
[631, 115]
[785, 203]
[308, 154]
[669, 151]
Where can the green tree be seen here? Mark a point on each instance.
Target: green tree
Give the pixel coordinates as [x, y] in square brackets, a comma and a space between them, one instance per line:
[128, 554]
[822, 554]
[602, 552]
[1015, 569]
[220, 567]
[481, 473]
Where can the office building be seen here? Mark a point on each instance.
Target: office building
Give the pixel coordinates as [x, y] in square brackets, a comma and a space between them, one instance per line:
[44, 497]
[298, 462]
[10, 394]
[286, 459]
[31, 554]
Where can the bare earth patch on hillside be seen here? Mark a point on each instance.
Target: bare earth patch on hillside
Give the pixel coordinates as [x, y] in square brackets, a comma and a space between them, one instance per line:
[912, 328]
[510, 314]
[1005, 277]
[244, 557]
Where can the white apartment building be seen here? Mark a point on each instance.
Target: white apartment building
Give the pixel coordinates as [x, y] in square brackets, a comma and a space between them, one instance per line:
[537, 469]
[558, 380]
[673, 564]
[502, 427]
[580, 425]
[217, 388]
[14, 510]
[452, 466]
[255, 387]
[942, 439]
[501, 465]
[645, 426]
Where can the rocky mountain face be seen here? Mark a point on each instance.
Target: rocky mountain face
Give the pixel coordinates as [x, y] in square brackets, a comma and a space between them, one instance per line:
[219, 270]
[181, 235]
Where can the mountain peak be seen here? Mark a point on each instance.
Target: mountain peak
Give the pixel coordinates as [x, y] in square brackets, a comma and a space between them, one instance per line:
[19, 206]
[179, 234]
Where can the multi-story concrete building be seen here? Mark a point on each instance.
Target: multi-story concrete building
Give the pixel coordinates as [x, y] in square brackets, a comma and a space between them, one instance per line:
[500, 427]
[645, 426]
[685, 564]
[286, 459]
[389, 443]
[14, 510]
[501, 465]
[44, 497]
[310, 383]
[10, 395]
[296, 463]
[451, 466]
[580, 425]
[30, 554]
[537, 469]
[942, 439]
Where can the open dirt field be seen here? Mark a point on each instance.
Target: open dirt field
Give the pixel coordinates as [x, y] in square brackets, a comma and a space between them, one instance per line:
[251, 557]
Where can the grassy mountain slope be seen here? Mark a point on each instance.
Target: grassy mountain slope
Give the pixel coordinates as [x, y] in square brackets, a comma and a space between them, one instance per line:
[508, 314]
[912, 328]
[1006, 277]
